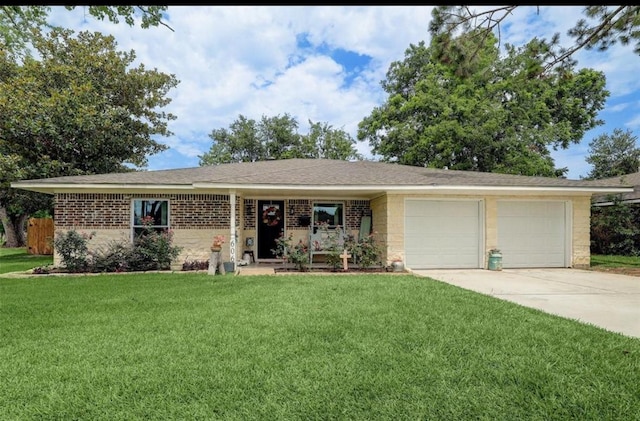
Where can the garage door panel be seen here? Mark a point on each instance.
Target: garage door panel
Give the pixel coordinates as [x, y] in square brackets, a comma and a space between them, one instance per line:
[442, 234]
[532, 233]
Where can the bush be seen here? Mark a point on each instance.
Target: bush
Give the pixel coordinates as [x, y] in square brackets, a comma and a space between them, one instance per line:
[367, 251]
[615, 229]
[195, 265]
[298, 254]
[73, 250]
[152, 250]
[115, 258]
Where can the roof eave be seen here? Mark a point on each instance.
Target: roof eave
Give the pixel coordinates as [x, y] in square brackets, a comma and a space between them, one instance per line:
[51, 188]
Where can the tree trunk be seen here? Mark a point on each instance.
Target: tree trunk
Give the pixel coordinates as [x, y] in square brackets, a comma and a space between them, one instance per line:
[13, 228]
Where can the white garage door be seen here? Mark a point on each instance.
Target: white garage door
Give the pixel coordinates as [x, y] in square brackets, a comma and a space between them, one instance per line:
[532, 233]
[442, 234]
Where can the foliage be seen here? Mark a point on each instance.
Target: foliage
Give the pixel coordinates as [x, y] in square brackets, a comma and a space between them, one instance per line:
[277, 137]
[153, 250]
[603, 27]
[297, 254]
[116, 257]
[367, 251]
[334, 244]
[495, 114]
[42, 270]
[615, 229]
[218, 241]
[73, 249]
[613, 155]
[19, 25]
[195, 265]
[80, 108]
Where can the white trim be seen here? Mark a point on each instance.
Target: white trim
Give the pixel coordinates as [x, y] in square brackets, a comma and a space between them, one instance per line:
[330, 201]
[132, 225]
[233, 234]
[611, 203]
[412, 188]
[70, 188]
[568, 220]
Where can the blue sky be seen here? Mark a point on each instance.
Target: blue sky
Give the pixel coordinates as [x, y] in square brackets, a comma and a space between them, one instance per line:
[321, 63]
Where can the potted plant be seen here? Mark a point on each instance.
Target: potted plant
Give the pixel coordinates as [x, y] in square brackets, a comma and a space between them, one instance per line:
[218, 241]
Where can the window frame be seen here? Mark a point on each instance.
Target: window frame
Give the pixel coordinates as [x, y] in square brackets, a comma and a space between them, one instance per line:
[343, 212]
[159, 228]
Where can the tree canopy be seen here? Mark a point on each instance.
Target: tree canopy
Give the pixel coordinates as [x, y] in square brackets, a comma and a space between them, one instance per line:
[248, 140]
[80, 108]
[602, 27]
[19, 25]
[494, 114]
[613, 154]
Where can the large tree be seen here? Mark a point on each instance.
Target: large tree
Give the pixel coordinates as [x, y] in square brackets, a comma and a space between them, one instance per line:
[80, 108]
[19, 25]
[613, 155]
[492, 114]
[248, 140]
[602, 27]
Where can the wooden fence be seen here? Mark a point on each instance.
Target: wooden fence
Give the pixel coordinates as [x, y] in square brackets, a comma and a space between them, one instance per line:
[40, 236]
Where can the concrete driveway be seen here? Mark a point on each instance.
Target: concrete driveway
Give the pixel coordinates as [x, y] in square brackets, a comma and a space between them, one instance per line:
[607, 300]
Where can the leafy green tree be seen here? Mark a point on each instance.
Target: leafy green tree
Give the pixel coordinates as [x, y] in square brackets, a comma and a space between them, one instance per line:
[81, 108]
[19, 25]
[323, 141]
[247, 140]
[494, 114]
[613, 155]
[615, 229]
[602, 27]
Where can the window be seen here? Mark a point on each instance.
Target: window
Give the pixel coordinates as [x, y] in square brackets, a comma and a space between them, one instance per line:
[331, 214]
[150, 213]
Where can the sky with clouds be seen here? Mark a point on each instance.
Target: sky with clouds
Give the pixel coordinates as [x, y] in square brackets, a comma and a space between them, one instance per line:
[321, 63]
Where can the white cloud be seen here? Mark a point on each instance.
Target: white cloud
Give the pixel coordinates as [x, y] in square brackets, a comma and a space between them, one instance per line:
[245, 60]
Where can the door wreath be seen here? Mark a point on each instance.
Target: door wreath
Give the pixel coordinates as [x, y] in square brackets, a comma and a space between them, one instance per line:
[271, 216]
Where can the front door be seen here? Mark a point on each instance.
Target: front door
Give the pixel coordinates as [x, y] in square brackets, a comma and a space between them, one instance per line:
[270, 226]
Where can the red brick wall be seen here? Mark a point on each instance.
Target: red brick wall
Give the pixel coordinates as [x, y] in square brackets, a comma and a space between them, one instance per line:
[186, 211]
[106, 210]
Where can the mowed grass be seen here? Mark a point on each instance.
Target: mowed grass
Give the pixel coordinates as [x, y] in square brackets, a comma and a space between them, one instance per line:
[17, 260]
[607, 261]
[390, 347]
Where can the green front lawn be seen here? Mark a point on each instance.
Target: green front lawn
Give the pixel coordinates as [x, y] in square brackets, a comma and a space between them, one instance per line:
[18, 260]
[606, 261]
[193, 346]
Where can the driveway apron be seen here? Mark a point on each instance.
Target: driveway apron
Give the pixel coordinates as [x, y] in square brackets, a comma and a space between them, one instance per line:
[610, 301]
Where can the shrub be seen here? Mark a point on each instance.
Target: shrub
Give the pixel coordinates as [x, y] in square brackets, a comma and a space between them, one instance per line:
[73, 250]
[152, 250]
[195, 265]
[42, 270]
[615, 229]
[367, 251]
[334, 248]
[115, 258]
[298, 254]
